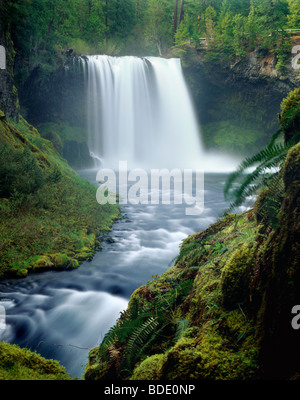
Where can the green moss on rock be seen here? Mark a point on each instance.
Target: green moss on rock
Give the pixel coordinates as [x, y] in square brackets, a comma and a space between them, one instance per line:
[22, 364]
[149, 369]
[236, 275]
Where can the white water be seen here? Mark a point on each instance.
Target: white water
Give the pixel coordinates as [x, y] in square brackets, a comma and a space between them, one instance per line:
[63, 314]
[147, 120]
[140, 111]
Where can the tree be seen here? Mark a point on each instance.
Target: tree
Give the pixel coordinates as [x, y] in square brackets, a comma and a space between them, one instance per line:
[252, 26]
[175, 19]
[239, 35]
[294, 14]
[210, 15]
[181, 12]
[158, 29]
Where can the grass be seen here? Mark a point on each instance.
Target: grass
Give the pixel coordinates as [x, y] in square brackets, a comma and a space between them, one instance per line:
[59, 224]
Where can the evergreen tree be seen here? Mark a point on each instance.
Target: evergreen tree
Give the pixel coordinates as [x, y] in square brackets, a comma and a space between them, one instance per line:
[293, 17]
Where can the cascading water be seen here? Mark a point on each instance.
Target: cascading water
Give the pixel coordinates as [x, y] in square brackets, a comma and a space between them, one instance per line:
[140, 111]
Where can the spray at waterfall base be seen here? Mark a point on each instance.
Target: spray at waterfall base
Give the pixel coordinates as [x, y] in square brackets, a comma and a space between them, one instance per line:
[153, 187]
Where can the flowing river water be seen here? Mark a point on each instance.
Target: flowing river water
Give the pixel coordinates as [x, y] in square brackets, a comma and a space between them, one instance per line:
[138, 110]
[63, 314]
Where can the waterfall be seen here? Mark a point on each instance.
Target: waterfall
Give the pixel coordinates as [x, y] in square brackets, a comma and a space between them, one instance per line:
[139, 110]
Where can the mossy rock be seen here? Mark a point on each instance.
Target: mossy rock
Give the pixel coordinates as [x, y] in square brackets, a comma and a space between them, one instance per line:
[63, 261]
[235, 278]
[59, 261]
[22, 364]
[290, 114]
[41, 262]
[291, 170]
[259, 206]
[99, 371]
[22, 273]
[280, 345]
[84, 256]
[55, 139]
[149, 369]
[182, 361]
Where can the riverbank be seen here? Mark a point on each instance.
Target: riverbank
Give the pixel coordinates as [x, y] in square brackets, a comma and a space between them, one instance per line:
[223, 311]
[49, 218]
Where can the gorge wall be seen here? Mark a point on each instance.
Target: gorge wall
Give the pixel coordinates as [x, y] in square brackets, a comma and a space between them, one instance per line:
[236, 103]
[9, 103]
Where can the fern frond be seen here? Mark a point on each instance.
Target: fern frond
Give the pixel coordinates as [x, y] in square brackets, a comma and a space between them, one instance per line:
[182, 325]
[138, 340]
[271, 157]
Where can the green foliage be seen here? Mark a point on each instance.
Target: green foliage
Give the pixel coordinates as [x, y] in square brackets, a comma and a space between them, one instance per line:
[289, 118]
[267, 165]
[22, 364]
[20, 174]
[232, 137]
[271, 157]
[142, 27]
[150, 368]
[49, 215]
[139, 340]
[158, 30]
[236, 277]
[294, 14]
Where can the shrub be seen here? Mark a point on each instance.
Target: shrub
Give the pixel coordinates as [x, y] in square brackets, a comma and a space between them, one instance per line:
[20, 174]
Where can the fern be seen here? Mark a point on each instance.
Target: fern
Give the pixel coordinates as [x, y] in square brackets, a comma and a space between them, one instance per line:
[139, 340]
[182, 325]
[271, 157]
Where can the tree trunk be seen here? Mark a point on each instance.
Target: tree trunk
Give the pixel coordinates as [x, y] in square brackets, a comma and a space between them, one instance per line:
[89, 8]
[50, 24]
[175, 20]
[137, 10]
[181, 13]
[106, 22]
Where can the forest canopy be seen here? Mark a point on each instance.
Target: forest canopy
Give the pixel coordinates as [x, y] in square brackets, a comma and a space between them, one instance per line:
[44, 29]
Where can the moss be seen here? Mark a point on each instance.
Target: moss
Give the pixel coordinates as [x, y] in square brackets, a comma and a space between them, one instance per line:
[290, 115]
[182, 361]
[55, 139]
[60, 223]
[22, 273]
[149, 369]
[280, 281]
[41, 262]
[61, 260]
[236, 277]
[22, 364]
[96, 371]
[201, 338]
[292, 100]
[259, 206]
[291, 170]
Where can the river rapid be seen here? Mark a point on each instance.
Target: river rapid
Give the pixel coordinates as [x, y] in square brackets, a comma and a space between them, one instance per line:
[63, 314]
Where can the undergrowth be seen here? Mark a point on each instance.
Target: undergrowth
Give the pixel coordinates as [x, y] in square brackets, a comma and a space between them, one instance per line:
[49, 216]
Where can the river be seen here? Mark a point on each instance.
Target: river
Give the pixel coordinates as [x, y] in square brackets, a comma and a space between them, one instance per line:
[63, 314]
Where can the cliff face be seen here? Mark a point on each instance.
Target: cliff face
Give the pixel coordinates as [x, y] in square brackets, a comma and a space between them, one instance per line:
[9, 102]
[237, 102]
